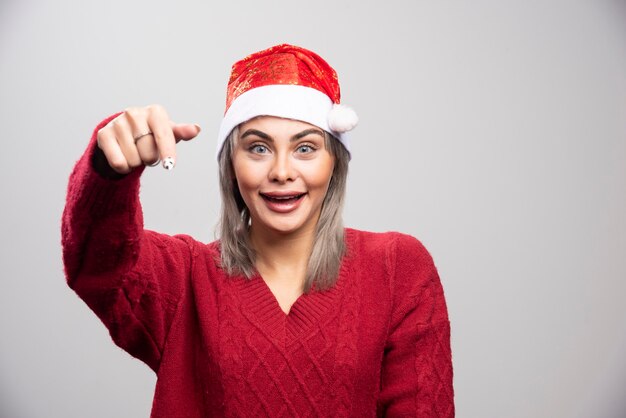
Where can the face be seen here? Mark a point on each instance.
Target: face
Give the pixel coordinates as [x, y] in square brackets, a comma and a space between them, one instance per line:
[283, 170]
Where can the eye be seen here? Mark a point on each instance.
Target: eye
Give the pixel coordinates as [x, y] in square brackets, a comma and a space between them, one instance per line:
[305, 149]
[258, 148]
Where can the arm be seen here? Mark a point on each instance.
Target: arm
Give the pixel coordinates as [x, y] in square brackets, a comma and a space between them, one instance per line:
[416, 377]
[131, 278]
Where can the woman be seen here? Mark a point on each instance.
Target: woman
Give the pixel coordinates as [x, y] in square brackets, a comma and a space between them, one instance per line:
[288, 314]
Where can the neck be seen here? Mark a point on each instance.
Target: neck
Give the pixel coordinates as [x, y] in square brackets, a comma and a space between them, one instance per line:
[282, 256]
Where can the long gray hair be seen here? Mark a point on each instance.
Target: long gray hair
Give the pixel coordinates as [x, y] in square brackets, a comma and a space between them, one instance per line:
[237, 254]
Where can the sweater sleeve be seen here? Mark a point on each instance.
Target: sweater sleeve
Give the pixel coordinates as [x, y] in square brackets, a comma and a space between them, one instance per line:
[416, 376]
[131, 278]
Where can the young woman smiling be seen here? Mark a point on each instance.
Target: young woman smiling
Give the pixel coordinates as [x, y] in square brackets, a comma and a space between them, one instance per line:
[288, 313]
[283, 170]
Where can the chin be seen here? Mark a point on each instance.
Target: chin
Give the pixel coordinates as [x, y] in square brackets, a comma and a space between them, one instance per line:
[284, 228]
[283, 224]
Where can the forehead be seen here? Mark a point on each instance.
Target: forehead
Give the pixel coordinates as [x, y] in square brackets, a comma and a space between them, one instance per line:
[276, 126]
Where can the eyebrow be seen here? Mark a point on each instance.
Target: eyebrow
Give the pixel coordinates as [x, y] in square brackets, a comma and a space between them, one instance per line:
[297, 136]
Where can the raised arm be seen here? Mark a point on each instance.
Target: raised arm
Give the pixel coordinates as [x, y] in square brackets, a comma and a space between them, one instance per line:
[416, 376]
[131, 278]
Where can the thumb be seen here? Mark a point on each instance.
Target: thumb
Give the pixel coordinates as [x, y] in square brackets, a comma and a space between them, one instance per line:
[185, 131]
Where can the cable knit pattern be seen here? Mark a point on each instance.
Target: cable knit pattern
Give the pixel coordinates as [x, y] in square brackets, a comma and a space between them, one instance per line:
[231, 351]
[347, 346]
[375, 344]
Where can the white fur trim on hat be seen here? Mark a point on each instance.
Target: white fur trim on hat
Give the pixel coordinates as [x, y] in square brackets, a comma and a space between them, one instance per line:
[342, 118]
[286, 101]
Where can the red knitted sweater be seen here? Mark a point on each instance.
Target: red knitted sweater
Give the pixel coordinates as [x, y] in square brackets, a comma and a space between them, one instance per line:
[375, 344]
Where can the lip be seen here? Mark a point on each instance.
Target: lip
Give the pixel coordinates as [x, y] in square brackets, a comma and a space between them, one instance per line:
[283, 201]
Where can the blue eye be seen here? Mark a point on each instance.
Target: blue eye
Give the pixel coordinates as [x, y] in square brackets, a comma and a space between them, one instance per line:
[258, 149]
[305, 149]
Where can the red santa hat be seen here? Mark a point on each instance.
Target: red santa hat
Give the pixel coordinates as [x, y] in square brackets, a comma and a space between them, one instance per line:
[289, 82]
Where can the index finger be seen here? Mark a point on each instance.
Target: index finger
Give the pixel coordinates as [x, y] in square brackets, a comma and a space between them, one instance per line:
[159, 123]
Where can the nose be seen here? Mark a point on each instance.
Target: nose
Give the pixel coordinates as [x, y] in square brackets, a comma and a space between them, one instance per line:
[282, 169]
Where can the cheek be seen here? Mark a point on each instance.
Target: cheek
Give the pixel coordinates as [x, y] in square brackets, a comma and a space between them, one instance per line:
[242, 181]
[319, 176]
[245, 174]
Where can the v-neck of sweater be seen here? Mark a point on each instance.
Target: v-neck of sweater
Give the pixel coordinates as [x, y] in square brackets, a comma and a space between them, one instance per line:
[260, 306]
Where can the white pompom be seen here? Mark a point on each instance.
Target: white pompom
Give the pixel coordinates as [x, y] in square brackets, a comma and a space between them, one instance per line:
[342, 119]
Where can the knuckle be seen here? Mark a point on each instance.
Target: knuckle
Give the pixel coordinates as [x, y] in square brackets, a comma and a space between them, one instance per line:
[132, 113]
[103, 136]
[156, 108]
[157, 111]
[118, 124]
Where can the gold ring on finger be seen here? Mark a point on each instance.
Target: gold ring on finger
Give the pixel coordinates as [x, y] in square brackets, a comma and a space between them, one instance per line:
[138, 137]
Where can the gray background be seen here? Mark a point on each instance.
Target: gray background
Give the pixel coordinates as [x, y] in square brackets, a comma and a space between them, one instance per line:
[494, 131]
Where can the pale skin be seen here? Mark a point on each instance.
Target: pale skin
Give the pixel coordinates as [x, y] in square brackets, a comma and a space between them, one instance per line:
[123, 153]
[272, 155]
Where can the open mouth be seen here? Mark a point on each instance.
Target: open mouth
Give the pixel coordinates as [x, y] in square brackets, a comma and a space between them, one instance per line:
[286, 199]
